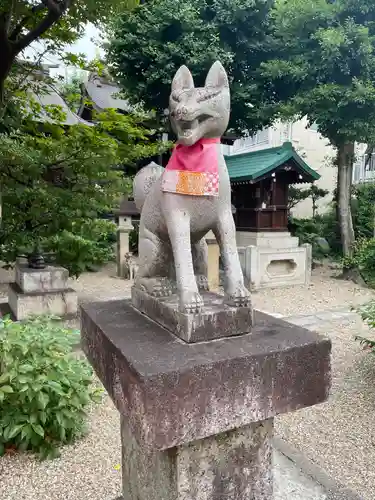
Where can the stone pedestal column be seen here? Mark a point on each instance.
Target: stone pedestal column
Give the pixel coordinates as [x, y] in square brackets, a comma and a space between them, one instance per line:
[233, 465]
[197, 418]
[213, 261]
[124, 228]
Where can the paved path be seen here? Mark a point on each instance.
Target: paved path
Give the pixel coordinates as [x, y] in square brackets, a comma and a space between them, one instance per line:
[314, 321]
[292, 484]
[338, 437]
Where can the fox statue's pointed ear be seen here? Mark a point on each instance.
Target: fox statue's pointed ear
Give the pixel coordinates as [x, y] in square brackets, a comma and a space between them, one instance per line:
[183, 79]
[217, 76]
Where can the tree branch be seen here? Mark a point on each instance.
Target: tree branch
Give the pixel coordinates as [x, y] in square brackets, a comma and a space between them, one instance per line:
[56, 163]
[18, 29]
[9, 16]
[53, 6]
[11, 176]
[3, 27]
[55, 12]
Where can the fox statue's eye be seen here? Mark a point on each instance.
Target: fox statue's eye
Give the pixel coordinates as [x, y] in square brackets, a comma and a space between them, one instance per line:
[208, 95]
[175, 96]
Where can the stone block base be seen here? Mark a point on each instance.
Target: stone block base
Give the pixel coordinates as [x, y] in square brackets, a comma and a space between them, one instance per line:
[59, 303]
[197, 418]
[266, 267]
[233, 465]
[217, 319]
[172, 393]
[41, 280]
[266, 239]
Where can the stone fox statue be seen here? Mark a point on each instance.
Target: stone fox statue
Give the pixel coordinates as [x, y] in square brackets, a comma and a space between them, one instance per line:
[190, 197]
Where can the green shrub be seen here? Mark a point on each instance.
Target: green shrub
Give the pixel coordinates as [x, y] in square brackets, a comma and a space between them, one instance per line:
[308, 230]
[367, 313]
[330, 230]
[363, 259]
[363, 209]
[87, 247]
[44, 386]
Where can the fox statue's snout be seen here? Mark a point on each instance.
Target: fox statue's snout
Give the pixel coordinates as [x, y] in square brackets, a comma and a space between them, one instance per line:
[202, 111]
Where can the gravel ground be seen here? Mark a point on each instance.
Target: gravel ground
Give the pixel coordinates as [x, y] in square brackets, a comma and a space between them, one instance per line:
[324, 292]
[338, 435]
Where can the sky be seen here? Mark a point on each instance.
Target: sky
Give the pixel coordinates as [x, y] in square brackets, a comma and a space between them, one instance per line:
[86, 45]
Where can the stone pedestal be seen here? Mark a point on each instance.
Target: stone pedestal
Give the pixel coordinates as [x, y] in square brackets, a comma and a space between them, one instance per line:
[234, 465]
[216, 320]
[197, 418]
[273, 259]
[124, 228]
[213, 261]
[41, 291]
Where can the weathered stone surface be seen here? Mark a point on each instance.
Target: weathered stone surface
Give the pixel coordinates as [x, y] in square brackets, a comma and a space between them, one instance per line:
[172, 393]
[269, 267]
[235, 465]
[216, 320]
[59, 303]
[41, 280]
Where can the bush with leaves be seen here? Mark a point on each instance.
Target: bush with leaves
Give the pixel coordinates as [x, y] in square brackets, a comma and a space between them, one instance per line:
[363, 260]
[363, 209]
[87, 247]
[367, 313]
[308, 231]
[313, 192]
[57, 180]
[44, 386]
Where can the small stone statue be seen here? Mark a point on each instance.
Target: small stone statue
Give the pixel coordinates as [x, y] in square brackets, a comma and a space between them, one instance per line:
[130, 265]
[180, 204]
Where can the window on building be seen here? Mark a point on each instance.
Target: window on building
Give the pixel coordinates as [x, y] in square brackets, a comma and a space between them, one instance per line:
[370, 163]
[261, 137]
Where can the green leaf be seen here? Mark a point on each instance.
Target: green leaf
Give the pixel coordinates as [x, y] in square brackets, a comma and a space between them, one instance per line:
[2, 449]
[4, 377]
[7, 389]
[14, 430]
[56, 387]
[22, 379]
[38, 429]
[25, 368]
[43, 399]
[27, 432]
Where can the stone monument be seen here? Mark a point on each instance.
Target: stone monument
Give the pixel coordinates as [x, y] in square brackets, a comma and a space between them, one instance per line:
[196, 377]
[39, 291]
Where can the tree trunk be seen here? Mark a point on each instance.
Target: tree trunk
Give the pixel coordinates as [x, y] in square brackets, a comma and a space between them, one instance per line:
[345, 159]
[6, 61]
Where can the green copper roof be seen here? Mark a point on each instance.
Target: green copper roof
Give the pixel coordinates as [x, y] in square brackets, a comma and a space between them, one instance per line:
[257, 164]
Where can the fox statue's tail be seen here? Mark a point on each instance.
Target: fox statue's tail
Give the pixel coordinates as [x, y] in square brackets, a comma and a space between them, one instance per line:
[143, 182]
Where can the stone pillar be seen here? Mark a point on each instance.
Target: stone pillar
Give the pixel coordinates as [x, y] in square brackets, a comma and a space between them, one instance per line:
[197, 418]
[41, 291]
[123, 231]
[213, 261]
[234, 465]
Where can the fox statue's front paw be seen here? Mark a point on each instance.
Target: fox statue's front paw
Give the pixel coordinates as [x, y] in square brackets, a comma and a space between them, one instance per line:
[239, 297]
[157, 287]
[190, 302]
